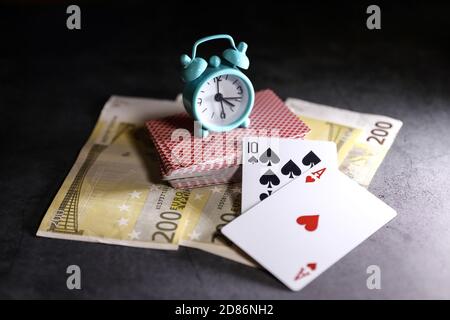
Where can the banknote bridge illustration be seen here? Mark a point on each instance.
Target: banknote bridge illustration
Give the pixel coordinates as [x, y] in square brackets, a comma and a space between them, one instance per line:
[65, 219]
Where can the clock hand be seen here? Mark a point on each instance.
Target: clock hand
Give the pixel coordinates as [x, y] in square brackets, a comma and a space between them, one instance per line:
[232, 98]
[217, 81]
[222, 113]
[227, 102]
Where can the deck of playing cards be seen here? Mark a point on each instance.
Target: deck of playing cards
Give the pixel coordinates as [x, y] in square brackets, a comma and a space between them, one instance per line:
[300, 214]
[188, 161]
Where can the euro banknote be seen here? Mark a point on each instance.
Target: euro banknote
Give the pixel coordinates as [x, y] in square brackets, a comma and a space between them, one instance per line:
[112, 193]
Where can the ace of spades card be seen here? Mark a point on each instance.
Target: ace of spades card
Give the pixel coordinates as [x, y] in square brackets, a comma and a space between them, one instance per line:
[268, 163]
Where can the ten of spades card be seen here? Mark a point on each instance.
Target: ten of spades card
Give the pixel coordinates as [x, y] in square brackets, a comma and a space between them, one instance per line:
[269, 163]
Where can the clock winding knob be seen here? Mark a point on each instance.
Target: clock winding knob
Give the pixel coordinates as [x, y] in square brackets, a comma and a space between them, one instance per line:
[237, 57]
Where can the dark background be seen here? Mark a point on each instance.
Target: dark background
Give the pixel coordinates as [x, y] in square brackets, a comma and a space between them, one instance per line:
[54, 82]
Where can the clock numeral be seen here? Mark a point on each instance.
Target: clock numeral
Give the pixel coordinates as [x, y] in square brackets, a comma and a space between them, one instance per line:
[204, 110]
[235, 81]
[239, 89]
[226, 77]
[219, 78]
[199, 101]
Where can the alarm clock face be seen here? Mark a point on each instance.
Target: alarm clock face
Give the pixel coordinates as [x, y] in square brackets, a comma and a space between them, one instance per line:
[222, 100]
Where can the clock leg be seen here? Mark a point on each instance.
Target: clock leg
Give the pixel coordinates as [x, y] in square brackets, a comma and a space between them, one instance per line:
[246, 123]
[199, 132]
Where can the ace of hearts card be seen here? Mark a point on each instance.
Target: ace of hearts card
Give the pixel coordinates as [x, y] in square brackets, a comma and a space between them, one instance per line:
[308, 225]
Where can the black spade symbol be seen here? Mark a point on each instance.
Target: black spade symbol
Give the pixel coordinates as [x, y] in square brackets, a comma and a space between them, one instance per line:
[270, 179]
[253, 160]
[269, 157]
[262, 196]
[291, 169]
[311, 159]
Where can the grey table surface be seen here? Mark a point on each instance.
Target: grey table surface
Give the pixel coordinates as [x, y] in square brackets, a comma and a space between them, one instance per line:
[54, 83]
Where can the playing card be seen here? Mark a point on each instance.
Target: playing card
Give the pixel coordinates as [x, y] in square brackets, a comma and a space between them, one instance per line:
[269, 163]
[305, 227]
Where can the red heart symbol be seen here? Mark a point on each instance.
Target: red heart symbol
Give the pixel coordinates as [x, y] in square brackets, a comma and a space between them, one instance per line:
[310, 179]
[312, 266]
[310, 222]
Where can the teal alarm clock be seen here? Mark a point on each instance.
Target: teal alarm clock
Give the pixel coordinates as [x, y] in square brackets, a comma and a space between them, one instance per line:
[217, 94]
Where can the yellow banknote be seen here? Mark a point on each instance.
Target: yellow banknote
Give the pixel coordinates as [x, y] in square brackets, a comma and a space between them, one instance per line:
[362, 139]
[113, 192]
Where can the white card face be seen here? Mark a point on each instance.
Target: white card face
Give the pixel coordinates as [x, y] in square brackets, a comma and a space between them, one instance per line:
[305, 227]
[270, 163]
